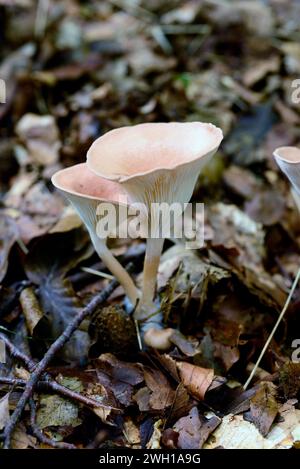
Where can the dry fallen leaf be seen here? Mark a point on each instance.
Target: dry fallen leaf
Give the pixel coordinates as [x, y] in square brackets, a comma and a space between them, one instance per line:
[196, 379]
[31, 308]
[119, 377]
[162, 395]
[194, 429]
[132, 433]
[21, 439]
[264, 407]
[57, 411]
[154, 442]
[41, 137]
[236, 433]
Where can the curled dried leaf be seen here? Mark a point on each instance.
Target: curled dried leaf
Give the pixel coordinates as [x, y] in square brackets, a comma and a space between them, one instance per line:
[196, 379]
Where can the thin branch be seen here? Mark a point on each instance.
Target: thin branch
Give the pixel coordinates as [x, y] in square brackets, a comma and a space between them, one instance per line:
[18, 354]
[48, 383]
[37, 432]
[53, 386]
[288, 300]
[13, 381]
[55, 347]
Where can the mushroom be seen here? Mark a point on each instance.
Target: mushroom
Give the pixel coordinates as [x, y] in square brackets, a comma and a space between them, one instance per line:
[155, 163]
[288, 160]
[158, 338]
[87, 192]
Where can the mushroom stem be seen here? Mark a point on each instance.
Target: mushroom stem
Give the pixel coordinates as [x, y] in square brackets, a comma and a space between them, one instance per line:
[146, 306]
[296, 198]
[115, 267]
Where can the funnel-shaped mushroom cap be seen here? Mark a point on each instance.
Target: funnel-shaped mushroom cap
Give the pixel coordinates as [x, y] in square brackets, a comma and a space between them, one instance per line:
[86, 191]
[157, 162]
[288, 159]
[129, 152]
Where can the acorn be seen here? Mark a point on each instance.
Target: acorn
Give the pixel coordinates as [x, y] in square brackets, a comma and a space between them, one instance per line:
[113, 331]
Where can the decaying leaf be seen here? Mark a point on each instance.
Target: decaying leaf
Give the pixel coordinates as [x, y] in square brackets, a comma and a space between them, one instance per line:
[132, 433]
[196, 379]
[224, 337]
[193, 430]
[56, 411]
[266, 207]
[236, 433]
[188, 346]
[119, 377]
[21, 439]
[69, 221]
[181, 405]
[194, 272]
[264, 407]
[162, 394]
[31, 308]
[242, 181]
[106, 397]
[40, 135]
[154, 442]
[47, 265]
[234, 230]
[170, 438]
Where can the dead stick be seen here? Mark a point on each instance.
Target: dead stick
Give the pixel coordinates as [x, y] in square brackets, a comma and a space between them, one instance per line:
[55, 347]
[48, 382]
[53, 386]
[16, 353]
[37, 432]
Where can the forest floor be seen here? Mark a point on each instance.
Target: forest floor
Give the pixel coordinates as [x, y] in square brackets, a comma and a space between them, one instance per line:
[74, 70]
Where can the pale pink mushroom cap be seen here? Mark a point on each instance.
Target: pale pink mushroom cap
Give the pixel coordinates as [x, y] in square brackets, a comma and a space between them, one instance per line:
[79, 181]
[86, 191]
[288, 159]
[129, 152]
[157, 163]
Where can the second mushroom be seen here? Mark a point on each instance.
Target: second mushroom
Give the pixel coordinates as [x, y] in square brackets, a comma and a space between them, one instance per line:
[155, 163]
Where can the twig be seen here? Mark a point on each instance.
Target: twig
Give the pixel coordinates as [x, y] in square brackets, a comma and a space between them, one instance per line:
[288, 300]
[37, 432]
[18, 354]
[55, 347]
[13, 381]
[48, 386]
[48, 382]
